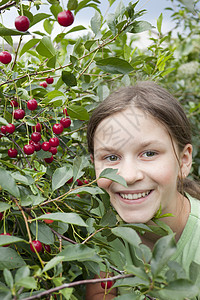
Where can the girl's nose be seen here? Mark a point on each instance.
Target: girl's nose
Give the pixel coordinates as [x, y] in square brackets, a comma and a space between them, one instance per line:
[131, 172]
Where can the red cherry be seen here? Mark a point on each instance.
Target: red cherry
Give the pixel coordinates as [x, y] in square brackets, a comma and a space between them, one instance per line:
[54, 142]
[22, 23]
[47, 248]
[3, 129]
[107, 284]
[79, 182]
[46, 146]
[37, 127]
[32, 104]
[44, 84]
[37, 145]
[49, 159]
[65, 18]
[47, 221]
[49, 80]
[36, 136]
[19, 114]
[66, 122]
[53, 150]
[29, 149]
[86, 181]
[14, 103]
[6, 234]
[10, 128]
[1, 216]
[65, 111]
[70, 180]
[37, 245]
[5, 57]
[12, 152]
[58, 128]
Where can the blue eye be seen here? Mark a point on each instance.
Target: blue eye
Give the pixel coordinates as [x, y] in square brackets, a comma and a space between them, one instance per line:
[112, 157]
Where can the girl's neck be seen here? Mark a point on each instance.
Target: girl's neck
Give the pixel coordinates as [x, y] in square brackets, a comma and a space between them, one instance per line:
[177, 223]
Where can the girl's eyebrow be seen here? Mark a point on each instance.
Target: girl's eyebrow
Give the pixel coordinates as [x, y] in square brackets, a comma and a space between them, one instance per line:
[145, 144]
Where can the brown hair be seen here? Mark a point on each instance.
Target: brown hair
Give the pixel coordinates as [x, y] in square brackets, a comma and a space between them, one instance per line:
[157, 102]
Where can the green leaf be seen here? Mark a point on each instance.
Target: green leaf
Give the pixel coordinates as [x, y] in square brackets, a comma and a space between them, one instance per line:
[52, 62]
[76, 28]
[29, 45]
[8, 183]
[111, 21]
[44, 233]
[77, 112]
[48, 26]
[4, 206]
[8, 278]
[60, 177]
[163, 250]
[55, 9]
[128, 234]
[87, 190]
[8, 39]
[22, 273]
[72, 4]
[139, 26]
[159, 23]
[7, 239]
[96, 23]
[27, 282]
[25, 179]
[68, 78]
[78, 252]
[10, 259]
[39, 17]
[54, 93]
[3, 121]
[9, 32]
[114, 65]
[45, 47]
[111, 174]
[79, 163]
[189, 4]
[52, 263]
[70, 218]
[132, 296]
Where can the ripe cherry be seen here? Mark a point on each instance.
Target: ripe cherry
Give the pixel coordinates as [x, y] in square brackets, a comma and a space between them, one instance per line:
[22, 23]
[36, 136]
[10, 128]
[106, 285]
[70, 180]
[49, 80]
[79, 182]
[54, 142]
[6, 234]
[12, 152]
[65, 18]
[37, 245]
[58, 128]
[65, 111]
[29, 149]
[66, 122]
[36, 145]
[3, 129]
[37, 127]
[46, 146]
[5, 57]
[53, 150]
[47, 221]
[14, 103]
[19, 114]
[32, 104]
[44, 84]
[49, 159]
[86, 181]
[1, 216]
[47, 248]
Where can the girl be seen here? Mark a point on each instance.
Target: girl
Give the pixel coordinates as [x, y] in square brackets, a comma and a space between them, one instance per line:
[143, 132]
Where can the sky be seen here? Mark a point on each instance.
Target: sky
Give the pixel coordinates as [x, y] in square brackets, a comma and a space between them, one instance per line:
[153, 7]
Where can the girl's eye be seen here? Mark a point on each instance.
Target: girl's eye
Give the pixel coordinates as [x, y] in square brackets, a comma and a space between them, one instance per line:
[149, 154]
[112, 157]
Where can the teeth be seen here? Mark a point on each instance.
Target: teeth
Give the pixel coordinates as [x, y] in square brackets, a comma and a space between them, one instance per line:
[134, 196]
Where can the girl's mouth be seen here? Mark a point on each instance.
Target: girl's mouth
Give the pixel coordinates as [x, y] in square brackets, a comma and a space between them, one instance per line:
[134, 196]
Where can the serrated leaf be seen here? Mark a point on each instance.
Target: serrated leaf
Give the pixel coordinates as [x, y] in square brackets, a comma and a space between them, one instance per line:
[8, 183]
[128, 234]
[60, 177]
[111, 174]
[10, 259]
[29, 45]
[77, 112]
[114, 65]
[46, 48]
[70, 218]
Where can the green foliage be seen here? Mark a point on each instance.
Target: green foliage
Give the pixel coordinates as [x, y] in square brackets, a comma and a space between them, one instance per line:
[81, 228]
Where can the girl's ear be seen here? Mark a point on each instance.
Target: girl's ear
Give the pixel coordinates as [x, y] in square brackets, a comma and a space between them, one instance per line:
[186, 161]
[92, 158]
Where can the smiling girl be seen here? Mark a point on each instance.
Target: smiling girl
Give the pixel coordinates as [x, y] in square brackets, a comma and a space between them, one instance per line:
[143, 132]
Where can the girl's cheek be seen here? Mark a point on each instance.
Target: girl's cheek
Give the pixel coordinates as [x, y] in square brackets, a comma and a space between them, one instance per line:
[104, 183]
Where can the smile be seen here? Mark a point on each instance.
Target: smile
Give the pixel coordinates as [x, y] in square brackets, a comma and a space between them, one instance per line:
[135, 196]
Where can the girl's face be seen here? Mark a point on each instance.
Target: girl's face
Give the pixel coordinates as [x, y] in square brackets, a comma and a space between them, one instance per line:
[141, 149]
